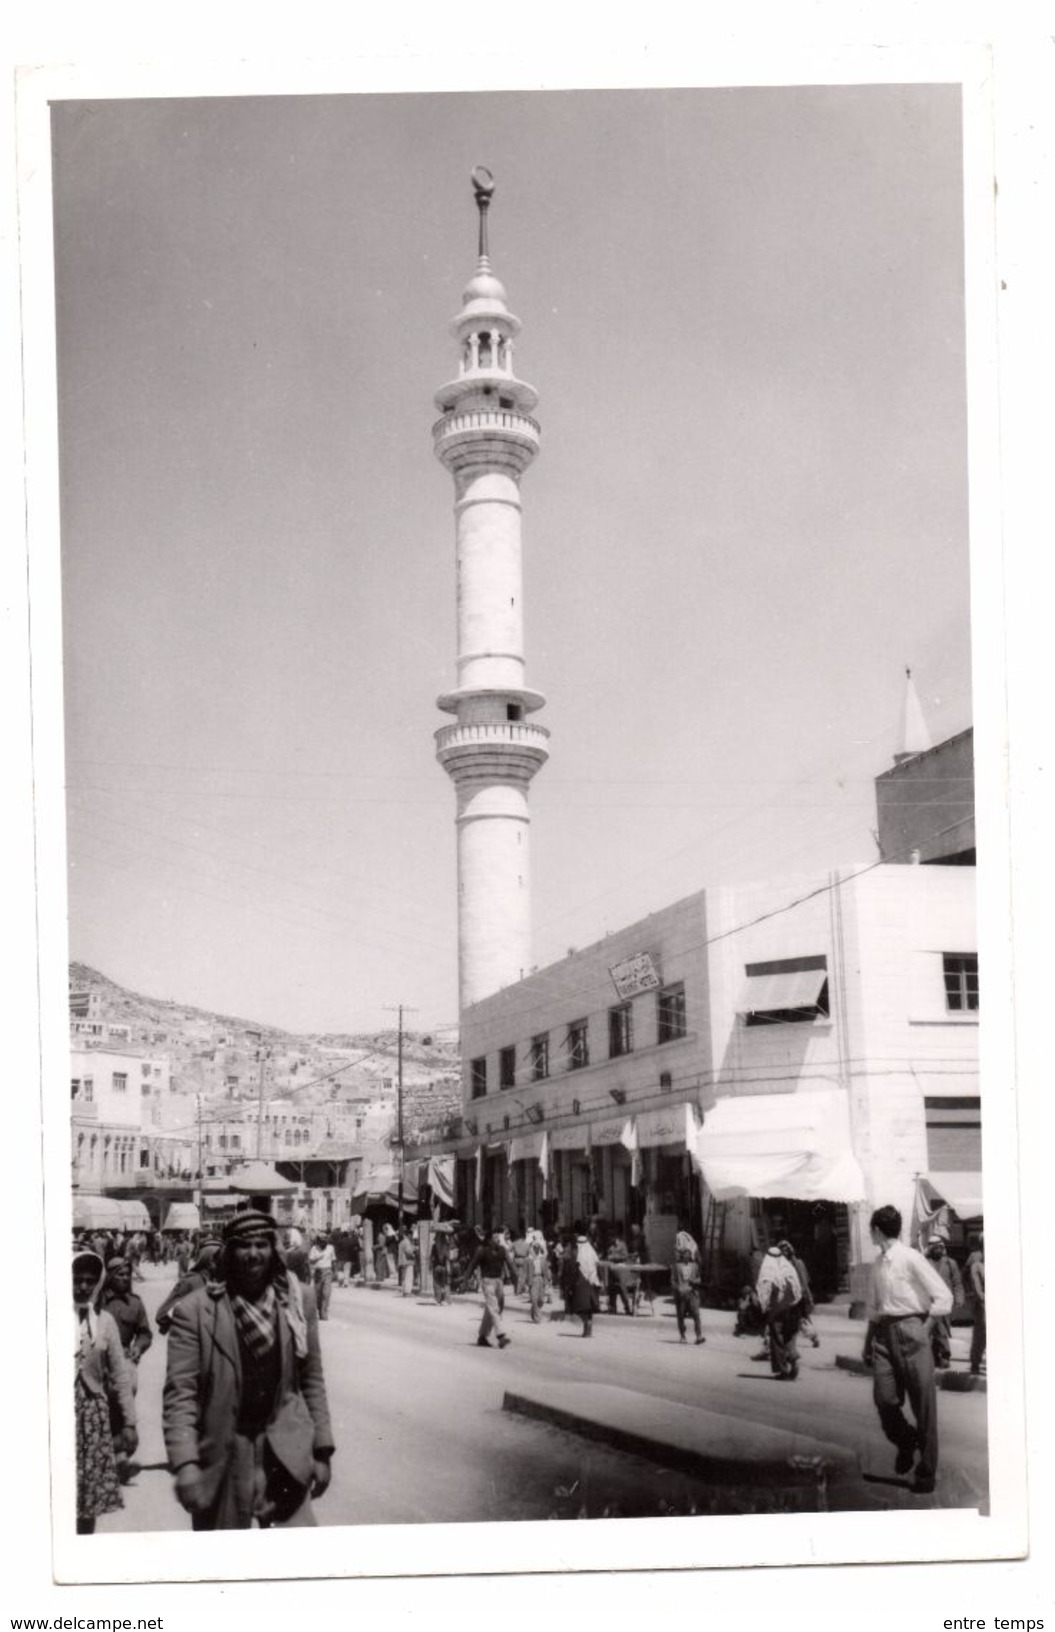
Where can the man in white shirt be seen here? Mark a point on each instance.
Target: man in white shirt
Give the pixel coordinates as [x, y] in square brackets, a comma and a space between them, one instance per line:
[907, 1296]
[322, 1258]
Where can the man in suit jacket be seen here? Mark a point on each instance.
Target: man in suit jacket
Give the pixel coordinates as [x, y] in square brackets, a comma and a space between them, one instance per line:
[246, 1420]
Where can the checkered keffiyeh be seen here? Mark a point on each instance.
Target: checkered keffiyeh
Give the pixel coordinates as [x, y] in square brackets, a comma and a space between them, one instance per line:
[256, 1321]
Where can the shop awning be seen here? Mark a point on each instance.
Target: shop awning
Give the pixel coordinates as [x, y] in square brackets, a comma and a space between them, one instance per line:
[616, 1130]
[134, 1216]
[380, 1188]
[793, 989]
[792, 1145]
[960, 1191]
[528, 1147]
[672, 1125]
[97, 1213]
[259, 1179]
[576, 1138]
[182, 1215]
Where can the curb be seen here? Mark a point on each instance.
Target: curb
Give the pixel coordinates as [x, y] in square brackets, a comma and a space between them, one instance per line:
[951, 1382]
[803, 1470]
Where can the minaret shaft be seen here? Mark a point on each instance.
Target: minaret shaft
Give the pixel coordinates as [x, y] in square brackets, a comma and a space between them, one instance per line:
[486, 439]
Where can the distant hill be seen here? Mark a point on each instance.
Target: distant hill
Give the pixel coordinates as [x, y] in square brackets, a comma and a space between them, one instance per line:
[222, 1055]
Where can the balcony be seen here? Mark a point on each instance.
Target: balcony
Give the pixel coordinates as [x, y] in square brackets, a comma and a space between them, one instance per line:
[506, 748]
[486, 436]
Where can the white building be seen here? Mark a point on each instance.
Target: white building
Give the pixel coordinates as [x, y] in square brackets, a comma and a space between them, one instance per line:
[839, 1013]
[113, 1095]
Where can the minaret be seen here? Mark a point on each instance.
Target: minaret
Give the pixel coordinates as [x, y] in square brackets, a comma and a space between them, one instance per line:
[486, 439]
[915, 738]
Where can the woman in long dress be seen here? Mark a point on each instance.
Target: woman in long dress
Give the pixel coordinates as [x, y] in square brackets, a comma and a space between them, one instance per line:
[101, 1373]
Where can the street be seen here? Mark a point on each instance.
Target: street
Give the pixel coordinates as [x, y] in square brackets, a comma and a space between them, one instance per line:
[422, 1436]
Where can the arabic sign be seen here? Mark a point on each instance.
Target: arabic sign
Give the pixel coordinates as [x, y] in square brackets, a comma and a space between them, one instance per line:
[634, 975]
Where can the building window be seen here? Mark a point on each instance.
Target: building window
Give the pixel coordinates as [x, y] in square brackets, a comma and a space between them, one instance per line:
[236, 1142]
[578, 1046]
[507, 1068]
[120, 1082]
[478, 1077]
[620, 1030]
[88, 1090]
[782, 991]
[670, 1014]
[75, 1087]
[144, 1089]
[961, 982]
[146, 1068]
[540, 1057]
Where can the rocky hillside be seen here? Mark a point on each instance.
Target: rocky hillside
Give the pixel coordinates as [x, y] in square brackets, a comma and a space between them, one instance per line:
[224, 1055]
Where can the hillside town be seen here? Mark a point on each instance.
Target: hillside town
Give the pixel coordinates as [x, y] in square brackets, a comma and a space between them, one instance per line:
[169, 1102]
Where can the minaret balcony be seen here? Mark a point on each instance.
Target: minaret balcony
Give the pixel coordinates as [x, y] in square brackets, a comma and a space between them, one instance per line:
[496, 432]
[513, 748]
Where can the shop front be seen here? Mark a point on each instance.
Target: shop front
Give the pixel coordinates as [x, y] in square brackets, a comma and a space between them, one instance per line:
[775, 1167]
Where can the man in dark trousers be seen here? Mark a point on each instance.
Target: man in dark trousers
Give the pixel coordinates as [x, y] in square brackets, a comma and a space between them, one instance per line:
[906, 1296]
[949, 1270]
[494, 1261]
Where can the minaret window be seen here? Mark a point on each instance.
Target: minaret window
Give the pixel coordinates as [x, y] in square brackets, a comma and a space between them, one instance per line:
[485, 350]
[514, 711]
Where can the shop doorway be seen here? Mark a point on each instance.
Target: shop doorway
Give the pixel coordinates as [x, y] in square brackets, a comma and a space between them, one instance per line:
[820, 1233]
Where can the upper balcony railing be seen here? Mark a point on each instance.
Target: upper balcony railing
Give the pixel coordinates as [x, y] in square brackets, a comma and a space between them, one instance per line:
[517, 732]
[488, 419]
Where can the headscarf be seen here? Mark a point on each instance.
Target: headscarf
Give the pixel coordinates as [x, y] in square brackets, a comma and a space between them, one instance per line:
[207, 1262]
[255, 1317]
[586, 1258]
[90, 1317]
[684, 1242]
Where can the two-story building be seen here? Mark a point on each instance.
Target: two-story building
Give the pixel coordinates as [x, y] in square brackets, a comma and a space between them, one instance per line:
[763, 1061]
[112, 1098]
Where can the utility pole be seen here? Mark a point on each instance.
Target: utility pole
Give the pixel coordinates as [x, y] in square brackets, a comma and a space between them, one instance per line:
[200, 1204]
[400, 1009]
[261, 1055]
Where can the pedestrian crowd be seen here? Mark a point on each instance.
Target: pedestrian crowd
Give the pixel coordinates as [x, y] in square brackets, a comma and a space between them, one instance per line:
[245, 1415]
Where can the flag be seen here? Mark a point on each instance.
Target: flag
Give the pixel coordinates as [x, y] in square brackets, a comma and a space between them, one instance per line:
[441, 1179]
[479, 1173]
[543, 1163]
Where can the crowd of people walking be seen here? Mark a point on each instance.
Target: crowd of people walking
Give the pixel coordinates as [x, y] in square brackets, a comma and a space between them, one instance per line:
[245, 1414]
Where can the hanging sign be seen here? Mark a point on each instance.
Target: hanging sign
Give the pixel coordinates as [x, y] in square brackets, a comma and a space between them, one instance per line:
[634, 975]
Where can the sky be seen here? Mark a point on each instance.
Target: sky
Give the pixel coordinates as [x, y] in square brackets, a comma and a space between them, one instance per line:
[743, 311]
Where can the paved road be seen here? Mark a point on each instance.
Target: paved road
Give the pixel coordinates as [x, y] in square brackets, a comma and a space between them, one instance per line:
[422, 1436]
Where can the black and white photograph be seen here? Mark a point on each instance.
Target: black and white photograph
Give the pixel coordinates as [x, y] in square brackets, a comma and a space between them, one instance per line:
[527, 707]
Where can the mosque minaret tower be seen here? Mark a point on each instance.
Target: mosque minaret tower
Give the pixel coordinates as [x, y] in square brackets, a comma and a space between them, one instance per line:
[486, 438]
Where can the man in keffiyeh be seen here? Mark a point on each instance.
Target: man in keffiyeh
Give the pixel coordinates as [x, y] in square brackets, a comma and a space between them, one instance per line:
[246, 1420]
